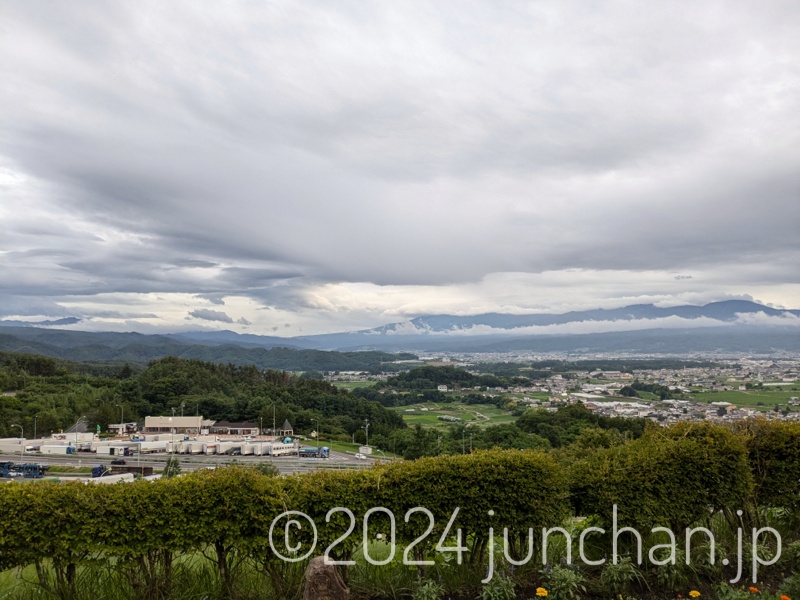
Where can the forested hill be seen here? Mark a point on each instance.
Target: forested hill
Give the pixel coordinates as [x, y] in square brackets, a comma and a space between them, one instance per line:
[422, 378]
[57, 395]
[138, 349]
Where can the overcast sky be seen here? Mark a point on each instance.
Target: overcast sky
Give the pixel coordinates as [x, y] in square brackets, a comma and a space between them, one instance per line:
[298, 167]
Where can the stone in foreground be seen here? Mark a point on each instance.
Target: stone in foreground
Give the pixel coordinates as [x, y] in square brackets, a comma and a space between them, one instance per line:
[323, 582]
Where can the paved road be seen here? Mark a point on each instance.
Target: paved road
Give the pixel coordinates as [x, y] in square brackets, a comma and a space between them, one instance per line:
[284, 464]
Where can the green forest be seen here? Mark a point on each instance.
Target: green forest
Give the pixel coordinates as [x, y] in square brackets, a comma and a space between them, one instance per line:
[51, 395]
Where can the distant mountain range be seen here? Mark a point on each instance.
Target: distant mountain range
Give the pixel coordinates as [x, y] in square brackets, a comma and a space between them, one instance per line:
[731, 326]
[727, 311]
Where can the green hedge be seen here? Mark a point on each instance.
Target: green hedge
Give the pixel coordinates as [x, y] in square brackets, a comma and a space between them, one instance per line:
[671, 477]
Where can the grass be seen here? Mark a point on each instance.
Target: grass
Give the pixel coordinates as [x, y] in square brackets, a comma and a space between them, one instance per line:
[478, 414]
[751, 398]
[346, 447]
[68, 469]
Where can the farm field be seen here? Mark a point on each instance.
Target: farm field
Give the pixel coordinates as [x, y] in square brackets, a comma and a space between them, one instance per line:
[535, 395]
[750, 398]
[477, 414]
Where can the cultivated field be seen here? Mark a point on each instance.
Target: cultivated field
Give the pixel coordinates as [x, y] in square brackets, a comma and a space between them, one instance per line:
[767, 397]
[478, 414]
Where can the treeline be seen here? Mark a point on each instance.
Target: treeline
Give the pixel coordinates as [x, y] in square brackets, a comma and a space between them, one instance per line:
[429, 378]
[624, 365]
[50, 397]
[396, 398]
[417, 442]
[542, 369]
[632, 390]
[138, 350]
[536, 428]
[569, 423]
[688, 475]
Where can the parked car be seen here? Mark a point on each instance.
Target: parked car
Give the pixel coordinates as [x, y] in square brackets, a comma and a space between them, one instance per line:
[119, 461]
[361, 456]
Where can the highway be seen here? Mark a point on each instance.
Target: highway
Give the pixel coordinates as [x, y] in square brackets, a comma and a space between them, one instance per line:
[191, 462]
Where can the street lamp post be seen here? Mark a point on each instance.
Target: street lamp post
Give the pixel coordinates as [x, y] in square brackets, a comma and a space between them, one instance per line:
[22, 446]
[34, 426]
[76, 431]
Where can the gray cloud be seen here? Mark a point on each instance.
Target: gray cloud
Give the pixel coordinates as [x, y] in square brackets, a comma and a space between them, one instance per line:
[115, 314]
[262, 152]
[210, 315]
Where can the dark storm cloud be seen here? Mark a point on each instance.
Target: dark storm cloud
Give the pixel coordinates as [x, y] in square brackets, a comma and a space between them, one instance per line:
[262, 151]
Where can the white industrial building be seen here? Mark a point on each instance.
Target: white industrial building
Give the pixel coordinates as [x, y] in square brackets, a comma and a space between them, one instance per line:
[189, 425]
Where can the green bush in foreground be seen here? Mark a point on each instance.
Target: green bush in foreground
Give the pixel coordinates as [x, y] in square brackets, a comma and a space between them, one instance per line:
[221, 530]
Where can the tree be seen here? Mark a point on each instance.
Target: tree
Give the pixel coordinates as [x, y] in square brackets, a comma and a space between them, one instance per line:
[268, 469]
[172, 468]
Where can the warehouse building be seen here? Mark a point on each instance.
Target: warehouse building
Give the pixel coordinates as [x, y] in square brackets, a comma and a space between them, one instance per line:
[187, 425]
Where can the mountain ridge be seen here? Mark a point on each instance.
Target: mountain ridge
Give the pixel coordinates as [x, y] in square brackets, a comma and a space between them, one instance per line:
[731, 325]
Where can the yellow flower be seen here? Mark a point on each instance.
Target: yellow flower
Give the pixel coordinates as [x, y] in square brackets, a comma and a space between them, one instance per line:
[694, 594]
[541, 592]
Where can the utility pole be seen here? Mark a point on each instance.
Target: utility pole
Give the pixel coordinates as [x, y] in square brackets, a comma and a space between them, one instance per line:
[273, 419]
[34, 427]
[366, 430]
[22, 446]
[76, 431]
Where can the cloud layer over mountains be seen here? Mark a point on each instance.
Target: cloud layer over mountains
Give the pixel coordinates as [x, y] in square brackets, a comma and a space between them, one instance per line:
[302, 168]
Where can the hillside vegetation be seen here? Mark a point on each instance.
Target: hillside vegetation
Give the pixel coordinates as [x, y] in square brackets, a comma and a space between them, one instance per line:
[209, 533]
[57, 394]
